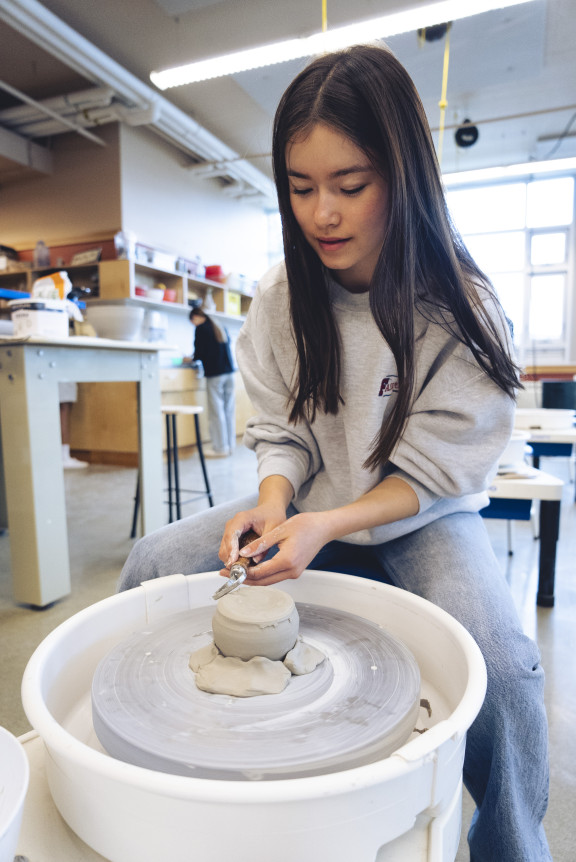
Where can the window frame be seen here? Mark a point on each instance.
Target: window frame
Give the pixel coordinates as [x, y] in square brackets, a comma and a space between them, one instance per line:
[562, 350]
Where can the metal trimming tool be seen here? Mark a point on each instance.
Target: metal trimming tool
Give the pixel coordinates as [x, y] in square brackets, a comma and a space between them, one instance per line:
[238, 569]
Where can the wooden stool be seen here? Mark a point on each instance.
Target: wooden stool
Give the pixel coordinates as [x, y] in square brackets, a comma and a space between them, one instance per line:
[175, 503]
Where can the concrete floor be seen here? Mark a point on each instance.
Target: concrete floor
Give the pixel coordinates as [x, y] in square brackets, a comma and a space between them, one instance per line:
[99, 504]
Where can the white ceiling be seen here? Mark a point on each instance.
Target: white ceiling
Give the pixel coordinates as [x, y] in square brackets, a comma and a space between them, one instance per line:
[513, 72]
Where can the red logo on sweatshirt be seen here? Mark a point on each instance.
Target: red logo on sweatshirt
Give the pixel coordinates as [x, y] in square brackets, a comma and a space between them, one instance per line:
[388, 385]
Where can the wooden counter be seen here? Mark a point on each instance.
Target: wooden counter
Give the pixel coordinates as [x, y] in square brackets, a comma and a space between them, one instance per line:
[104, 427]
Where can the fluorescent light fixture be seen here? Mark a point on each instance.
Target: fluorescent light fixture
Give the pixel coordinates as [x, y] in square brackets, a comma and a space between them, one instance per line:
[330, 40]
[510, 171]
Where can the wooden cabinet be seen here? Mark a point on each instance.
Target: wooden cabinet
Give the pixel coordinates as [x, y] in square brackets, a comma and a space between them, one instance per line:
[104, 427]
[104, 424]
[184, 386]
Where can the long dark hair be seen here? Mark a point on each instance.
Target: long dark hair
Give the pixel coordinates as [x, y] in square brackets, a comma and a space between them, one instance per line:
[219, 334]
[366, 94]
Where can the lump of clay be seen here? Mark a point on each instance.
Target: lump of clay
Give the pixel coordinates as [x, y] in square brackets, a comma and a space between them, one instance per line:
[256, 621]
[304, 658]
[254, 628]
[225, 675]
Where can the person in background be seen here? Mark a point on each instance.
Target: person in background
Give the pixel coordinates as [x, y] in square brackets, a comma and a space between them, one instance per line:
[379, 364]
[212, 349]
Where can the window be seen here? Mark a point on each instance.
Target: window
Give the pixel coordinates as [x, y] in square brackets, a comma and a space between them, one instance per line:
[520, 234]
[547, 248]
[275, 243]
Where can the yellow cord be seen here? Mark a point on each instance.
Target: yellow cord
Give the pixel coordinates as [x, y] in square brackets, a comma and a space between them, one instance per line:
[443, 103]
[324, 15]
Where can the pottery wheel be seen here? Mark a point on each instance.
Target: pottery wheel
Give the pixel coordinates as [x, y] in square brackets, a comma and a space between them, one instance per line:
[357, 707]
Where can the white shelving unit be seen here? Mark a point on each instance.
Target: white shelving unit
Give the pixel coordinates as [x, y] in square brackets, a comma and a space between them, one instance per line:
[118, 280]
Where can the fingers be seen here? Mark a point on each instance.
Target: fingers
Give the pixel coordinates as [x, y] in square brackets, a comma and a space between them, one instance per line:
[267, 580]
[232, 543]
[260, 580]
[256, 549]
[260, 546]
[229, 546]
[280, 567]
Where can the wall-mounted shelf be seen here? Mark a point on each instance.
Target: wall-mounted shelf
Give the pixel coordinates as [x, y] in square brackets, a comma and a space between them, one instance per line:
[118, 279]
[228, 299]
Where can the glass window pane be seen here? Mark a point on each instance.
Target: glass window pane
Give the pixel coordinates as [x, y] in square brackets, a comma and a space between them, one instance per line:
[497, 252]
[510, 290]
[275, 243]
[488, 208]
[546, 307]
[550, 202]
[546, 248]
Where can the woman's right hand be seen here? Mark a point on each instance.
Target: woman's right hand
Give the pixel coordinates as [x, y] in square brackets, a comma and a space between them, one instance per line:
[261, 519]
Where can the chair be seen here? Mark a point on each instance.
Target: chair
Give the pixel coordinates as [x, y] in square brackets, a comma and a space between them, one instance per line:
[559, 394]
[175, 502]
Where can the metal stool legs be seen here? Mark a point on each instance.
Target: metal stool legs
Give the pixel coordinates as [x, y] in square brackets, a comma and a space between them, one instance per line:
[202, 461]
[136, 507]
[175, 501]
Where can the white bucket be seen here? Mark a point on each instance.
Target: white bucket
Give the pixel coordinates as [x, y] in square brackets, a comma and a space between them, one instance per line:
[406, 806]
[42, 317]
[515, 452]
[14, 777]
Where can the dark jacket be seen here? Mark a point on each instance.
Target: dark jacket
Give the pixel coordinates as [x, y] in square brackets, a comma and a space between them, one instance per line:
[214, 356]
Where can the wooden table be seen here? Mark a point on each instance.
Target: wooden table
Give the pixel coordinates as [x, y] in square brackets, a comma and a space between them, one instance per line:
[511, 499]
[32, 481]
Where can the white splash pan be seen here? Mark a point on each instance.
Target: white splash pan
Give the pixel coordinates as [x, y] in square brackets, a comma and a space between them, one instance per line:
[407, 806]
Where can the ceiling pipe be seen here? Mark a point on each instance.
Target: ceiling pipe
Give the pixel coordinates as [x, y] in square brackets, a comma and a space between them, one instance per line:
[24, 152]
[204, 170]
[62, 120]
[45, 29]
[72, 103]
[43, 127]
[35, 124]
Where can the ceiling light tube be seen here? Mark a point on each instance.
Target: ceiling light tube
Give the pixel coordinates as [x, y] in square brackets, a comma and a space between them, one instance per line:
[505, 172]
[331, 40]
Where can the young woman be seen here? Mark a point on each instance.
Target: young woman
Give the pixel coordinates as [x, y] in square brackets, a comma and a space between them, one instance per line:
[212, 348]
[377, 359]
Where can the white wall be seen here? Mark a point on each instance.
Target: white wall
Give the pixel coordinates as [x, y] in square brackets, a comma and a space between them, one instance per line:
[136, 182]
[79, 200]
[165, 206]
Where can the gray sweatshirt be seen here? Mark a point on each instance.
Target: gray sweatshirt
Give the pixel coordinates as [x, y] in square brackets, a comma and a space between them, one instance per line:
[458, 426]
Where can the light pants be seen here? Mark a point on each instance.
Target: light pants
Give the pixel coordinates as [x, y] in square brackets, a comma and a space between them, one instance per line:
[220, 393]
[451, 563]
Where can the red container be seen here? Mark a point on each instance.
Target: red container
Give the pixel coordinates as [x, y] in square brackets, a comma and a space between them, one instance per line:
[214, 273]
[170, 294]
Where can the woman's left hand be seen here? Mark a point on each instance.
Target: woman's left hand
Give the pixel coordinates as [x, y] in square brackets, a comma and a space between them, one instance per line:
[299, 539]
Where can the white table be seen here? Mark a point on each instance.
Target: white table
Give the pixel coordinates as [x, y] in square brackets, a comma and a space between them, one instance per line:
[31, 443]
[510, 498]
[550, 443]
